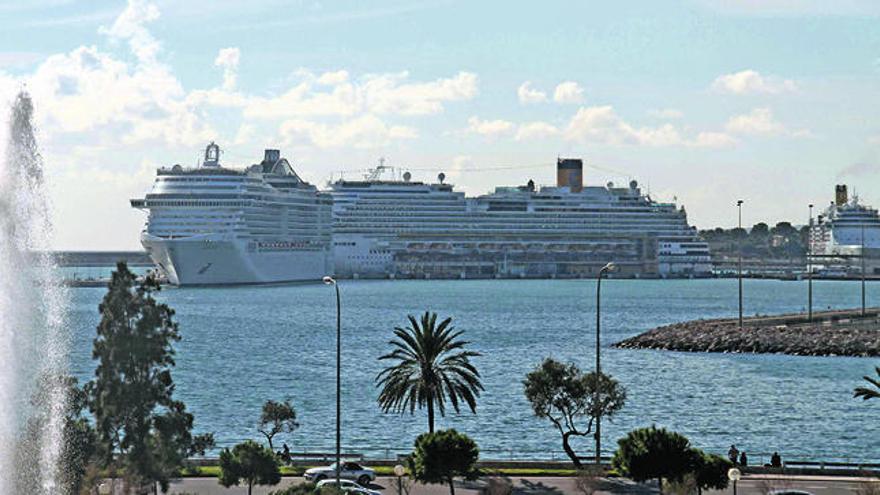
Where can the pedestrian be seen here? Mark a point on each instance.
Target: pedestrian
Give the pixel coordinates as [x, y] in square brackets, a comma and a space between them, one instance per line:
[732, 454]
[775, 460]
[743, 460]
[285, 454]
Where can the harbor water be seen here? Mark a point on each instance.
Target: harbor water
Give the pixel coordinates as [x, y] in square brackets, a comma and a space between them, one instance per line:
[244, 345]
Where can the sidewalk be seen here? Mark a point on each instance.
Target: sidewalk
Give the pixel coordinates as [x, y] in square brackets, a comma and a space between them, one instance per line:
[533, 485]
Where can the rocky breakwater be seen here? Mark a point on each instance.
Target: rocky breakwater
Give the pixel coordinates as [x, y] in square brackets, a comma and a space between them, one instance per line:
[831, 333]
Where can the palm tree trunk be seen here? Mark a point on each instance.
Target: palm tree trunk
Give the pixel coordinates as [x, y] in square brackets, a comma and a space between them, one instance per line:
[451, 486]
[250, 487]
[430, 415]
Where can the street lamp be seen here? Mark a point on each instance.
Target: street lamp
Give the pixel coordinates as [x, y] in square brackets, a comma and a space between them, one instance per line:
[863, 268]
[810, 267]
[331, 281]
[399, 471]
[605, 269]
[739, 204]
[734, 475]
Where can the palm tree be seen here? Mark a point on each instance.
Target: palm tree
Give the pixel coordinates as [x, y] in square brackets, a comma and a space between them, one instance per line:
[432, 367]
[869, 393]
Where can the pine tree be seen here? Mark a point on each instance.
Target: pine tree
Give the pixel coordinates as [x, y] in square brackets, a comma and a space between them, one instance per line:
[142, 432]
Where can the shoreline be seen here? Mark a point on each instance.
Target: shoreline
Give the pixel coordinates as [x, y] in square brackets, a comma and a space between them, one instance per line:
[831, 333]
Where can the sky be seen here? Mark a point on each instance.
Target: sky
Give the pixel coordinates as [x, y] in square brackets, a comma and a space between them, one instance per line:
[702, 101]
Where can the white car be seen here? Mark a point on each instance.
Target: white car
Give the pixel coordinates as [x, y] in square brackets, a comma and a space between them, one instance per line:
[350, 471]
[348, 486]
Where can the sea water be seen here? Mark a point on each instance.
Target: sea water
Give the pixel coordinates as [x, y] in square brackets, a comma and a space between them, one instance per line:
[244, 345]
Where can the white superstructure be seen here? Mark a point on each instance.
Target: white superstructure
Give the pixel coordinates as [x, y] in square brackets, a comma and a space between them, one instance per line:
[846, 226]
[215, 225]
[415, 229]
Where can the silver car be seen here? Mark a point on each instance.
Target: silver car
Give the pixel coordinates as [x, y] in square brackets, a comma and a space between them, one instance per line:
[348, 486]
[350, 471]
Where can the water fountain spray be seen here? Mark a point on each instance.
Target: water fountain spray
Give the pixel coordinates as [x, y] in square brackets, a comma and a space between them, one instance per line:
[33, 342]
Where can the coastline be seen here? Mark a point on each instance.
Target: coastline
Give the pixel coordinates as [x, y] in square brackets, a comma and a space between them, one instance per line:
[831, 333]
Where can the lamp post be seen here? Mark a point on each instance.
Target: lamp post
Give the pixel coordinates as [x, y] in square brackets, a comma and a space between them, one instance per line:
[863, 269]
[605, 269]
[810, 266]
[739, 204]
[734, 475]
[331, 281]
[399, 471]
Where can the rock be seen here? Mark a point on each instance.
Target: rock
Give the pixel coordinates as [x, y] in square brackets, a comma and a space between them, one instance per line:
[833, 334]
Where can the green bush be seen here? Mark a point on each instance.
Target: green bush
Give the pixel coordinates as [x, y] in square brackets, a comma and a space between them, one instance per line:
[441, 456]
[652, 453]
[251, 463]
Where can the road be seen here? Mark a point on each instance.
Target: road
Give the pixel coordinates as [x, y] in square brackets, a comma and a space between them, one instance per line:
[526, 485]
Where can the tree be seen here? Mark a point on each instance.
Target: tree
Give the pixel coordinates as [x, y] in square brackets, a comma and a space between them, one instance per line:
[251, 463]
[652, 453]
[760, 229]
[431, 367]
[79, 446]
[710, 471]
[568, 398]
[440, 456]
[277, 417]
[140, 429]
[872, 392]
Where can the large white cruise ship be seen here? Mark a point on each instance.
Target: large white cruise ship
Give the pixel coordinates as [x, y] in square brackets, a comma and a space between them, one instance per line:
[215, 225]
[846, 226]
[405, 228]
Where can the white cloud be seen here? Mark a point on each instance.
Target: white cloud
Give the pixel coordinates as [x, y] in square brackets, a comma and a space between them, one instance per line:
[526, 94]
[15, 59]
[713, 140]
[333, 78]
[750, 82]
[302, 101]
[228, 59]
[758, 121]
[568, 92]
[390, 94]
[666, 113]
[246, 133]
[490, 128]
[874, 140]
[378, 94]
[602, 125]
[364, 132]
[131, 26]
[536, 130]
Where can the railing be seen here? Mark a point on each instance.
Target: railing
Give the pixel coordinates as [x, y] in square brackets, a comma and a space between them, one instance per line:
[367, 453]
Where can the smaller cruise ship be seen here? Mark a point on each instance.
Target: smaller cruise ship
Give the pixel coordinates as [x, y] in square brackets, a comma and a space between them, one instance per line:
[846, 226]
[213, 225]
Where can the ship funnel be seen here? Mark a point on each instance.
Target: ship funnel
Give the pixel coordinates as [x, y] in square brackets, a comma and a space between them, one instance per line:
[570, 173]
[840, 196]
[271, 156]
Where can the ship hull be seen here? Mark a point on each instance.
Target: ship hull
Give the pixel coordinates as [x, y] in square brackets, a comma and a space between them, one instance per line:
[208, 260]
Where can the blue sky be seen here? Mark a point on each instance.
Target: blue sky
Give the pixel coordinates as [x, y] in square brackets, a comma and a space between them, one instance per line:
[704, 101]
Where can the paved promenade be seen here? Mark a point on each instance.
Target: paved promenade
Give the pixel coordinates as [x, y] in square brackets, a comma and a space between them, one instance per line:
[750, 485]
